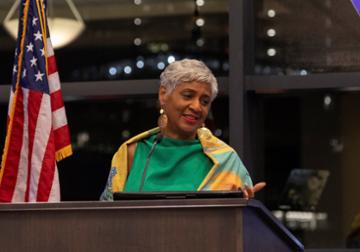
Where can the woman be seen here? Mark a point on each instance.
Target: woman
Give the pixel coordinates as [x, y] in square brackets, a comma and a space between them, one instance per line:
[181, 154]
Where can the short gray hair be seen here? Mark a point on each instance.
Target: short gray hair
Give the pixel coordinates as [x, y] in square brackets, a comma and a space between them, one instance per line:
[188, 70]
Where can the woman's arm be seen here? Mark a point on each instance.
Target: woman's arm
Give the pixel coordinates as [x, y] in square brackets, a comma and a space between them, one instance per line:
[120, 155]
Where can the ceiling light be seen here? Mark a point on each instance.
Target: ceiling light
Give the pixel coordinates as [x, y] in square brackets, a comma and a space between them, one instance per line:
[62, 30]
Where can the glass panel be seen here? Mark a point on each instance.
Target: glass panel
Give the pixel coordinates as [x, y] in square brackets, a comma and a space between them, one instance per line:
[127, 39]
[98, 127]
[96, 138]
[313, 132]
[301, 37]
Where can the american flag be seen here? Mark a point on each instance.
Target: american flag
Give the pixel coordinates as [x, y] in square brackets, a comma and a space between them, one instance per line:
[37, 130]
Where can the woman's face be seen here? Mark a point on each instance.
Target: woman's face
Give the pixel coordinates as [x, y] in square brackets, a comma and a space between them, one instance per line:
[186, 107]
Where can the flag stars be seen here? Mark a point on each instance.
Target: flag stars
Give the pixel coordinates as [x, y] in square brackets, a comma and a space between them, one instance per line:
[34, 21]
[14, 69]
[39, 76]
[24, 73]
[33, 61]
[38, 36]
[42, 52]
[30, 47]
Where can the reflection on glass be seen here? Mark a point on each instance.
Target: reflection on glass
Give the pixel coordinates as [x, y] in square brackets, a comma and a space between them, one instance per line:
[307, 35]
[118, 32]
[98, 127]
[311, 163]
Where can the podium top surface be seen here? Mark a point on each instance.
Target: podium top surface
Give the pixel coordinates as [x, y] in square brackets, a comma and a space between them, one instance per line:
[125, 204]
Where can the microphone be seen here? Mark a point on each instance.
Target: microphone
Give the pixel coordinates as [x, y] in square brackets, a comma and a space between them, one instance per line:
[157, 140]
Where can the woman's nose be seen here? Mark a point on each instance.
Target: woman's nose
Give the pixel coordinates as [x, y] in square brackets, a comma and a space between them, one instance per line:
[195, 105]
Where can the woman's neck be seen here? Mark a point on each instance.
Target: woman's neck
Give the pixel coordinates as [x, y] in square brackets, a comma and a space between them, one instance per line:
[176, 135]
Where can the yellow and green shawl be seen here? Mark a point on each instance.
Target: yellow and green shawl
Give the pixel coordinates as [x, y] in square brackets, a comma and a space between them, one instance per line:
[227, 173]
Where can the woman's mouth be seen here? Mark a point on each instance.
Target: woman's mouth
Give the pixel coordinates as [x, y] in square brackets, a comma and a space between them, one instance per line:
[191, 119]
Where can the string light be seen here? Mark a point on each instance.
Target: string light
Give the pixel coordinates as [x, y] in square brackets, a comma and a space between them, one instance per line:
[161, 65]
[200, 22]
[127, 69]
[140, 64]
[164, 47]
[137, 41]
[271, 13]
[200, 42]
[170, 59]
[271, 32]
[137, 21]
[303, 72]
[112, 71]
[200, 2]
[271, 52]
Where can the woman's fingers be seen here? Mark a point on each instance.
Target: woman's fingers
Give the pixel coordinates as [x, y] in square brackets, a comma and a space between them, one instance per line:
[259, 186]
[249, 192]
[246, 194]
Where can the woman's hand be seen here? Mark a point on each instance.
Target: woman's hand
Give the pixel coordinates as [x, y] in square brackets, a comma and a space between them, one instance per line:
[249, 192]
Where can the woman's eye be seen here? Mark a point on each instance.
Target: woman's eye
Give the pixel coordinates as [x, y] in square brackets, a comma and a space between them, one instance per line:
[187, 95]
[205, 102]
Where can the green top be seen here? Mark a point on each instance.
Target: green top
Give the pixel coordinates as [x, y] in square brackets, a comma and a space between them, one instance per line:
[175, 165]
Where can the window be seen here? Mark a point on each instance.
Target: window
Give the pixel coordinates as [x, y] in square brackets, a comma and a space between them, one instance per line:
[305, 37]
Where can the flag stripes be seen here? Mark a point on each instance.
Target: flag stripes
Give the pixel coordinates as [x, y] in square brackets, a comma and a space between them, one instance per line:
[37, 131]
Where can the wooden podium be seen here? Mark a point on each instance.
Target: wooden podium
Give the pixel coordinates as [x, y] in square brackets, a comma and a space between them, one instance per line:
[157, 225]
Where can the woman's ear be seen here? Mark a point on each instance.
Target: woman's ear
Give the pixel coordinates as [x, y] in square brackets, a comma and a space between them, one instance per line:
[162, 94]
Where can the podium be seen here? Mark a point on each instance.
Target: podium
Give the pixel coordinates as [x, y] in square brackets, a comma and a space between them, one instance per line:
[144, 225]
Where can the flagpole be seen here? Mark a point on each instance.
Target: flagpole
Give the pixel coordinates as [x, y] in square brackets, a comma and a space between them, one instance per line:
[12, 105]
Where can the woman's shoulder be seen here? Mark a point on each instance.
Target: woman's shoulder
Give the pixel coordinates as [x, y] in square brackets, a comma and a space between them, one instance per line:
[142, 135]
[126, 151]
[130, 143]
[211, 143]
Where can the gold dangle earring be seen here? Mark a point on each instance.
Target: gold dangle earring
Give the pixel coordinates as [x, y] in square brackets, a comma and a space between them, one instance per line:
[162, 120]
[204, 132]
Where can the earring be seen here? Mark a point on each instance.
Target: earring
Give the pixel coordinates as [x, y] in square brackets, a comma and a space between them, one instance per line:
[162, 120]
